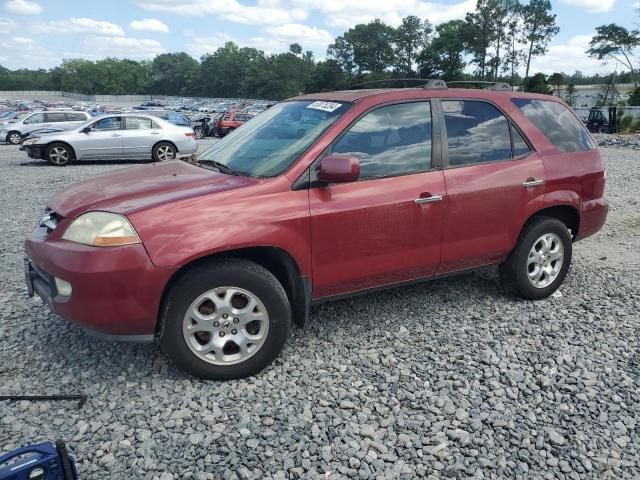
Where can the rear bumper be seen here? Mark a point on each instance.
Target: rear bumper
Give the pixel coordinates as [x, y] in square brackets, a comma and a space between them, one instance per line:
[593, 217]
[188, 146]
[116, 292]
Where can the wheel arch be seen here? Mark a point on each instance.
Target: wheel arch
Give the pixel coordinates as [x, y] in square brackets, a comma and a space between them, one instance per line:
[278, 261]
[567, 214]
[164, 141]
[66, 144]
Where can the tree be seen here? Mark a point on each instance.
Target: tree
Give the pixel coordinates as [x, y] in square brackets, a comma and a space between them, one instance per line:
[295, 48]
[571, 94]
[478, 33]
[444, 56]
[536, 84]
[370, 45]
[342, 52]
[326, 76]
[174, 73]
[557, 80]
[538, 28]
[616, 43]
[409, 40]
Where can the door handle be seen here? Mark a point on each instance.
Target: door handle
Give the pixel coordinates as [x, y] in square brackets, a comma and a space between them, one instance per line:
[530, 183]
[155, 133]
[431, 199]
[116, 135]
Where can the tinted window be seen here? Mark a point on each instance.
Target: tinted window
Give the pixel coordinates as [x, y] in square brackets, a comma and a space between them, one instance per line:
[37, 118]
[56, 117]
[520, 146]
[557, 123]
[109, 123]
[390, 141]
[476, 132]
[75, 117]
[138, 123]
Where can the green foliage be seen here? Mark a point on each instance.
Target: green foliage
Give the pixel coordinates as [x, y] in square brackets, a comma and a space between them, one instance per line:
[634, 98]
[538, 28]
[557, 80]
[444, 59]
[536, 84]
[614, 42]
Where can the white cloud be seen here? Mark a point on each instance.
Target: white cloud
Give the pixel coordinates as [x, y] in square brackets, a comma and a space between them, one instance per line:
[150, 25]
[264, 12]
[123, 47]
[567, 57]
[23, 7]
[82, 25]
[209, 44]
[303, 34]
[7, 25]
[592, 6]
[22, 40]
[345, 14]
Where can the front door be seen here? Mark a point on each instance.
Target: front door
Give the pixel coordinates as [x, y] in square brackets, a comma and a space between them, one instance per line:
[493, 184]
[104, 140]
[386, 227]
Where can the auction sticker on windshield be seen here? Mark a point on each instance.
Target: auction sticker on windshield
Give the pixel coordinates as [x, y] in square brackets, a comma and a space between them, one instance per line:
[325, 106]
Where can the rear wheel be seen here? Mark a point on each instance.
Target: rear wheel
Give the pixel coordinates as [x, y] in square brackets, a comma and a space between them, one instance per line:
[199, 133]
[225, 320]
[540, 261]
[14, 138]
[59, 154]
[163, 151]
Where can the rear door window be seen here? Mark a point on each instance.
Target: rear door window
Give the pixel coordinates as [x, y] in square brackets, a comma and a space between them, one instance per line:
[520, 145]
[477, 132]
[557, 123]
[138, 123]
[390, 141]
[75, 117]
[56, 117]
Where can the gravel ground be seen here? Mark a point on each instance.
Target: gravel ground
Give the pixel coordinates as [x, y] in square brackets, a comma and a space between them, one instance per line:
[449, 379]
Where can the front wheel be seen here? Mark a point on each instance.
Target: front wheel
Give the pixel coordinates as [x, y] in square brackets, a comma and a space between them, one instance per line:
[14, 138]
[540, 261]
[58, 155]
[225, 320]
[163, 151]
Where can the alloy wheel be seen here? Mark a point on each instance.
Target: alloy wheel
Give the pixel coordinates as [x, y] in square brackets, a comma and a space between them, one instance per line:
[165, 152]
[59, 155]
[15, 138]
[545, 260]
[226, 325]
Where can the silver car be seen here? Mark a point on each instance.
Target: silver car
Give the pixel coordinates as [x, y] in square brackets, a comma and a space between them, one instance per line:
[117, 136]
[13, 131]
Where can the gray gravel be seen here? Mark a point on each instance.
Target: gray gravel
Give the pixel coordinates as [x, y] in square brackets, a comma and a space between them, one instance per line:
[449, 379]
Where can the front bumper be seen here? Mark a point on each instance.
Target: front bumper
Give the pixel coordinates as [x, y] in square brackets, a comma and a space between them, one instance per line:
[116, 291]
[34, 151]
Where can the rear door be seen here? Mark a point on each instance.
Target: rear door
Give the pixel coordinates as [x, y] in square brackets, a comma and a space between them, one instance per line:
[104, 140]
[386, 227]
[494, 182]
[139, 134]
[75, 119]
[33, 122]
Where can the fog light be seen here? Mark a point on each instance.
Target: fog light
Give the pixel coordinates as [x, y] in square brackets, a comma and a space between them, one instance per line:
[63, 287]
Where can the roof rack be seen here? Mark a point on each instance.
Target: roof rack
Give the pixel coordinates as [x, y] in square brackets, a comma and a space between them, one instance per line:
[498, 86]
[437, 84]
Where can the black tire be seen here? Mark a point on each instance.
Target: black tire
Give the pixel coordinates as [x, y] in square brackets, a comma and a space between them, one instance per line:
[234, 273]
[163, 151]
[14, 138]
[59, 154]
[199, 133]
[514, 272]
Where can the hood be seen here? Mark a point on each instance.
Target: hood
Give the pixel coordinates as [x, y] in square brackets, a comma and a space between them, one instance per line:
[132, 189]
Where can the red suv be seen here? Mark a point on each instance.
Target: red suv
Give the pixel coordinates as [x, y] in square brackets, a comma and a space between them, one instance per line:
[231, 121]
[323, 196]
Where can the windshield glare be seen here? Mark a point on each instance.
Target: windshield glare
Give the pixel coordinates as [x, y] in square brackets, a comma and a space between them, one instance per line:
[269, 143]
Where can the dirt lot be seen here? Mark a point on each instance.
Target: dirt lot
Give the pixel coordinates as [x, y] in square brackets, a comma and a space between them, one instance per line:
[449, 379]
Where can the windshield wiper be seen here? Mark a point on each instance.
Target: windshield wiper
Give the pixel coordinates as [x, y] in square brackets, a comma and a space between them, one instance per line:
[221, 167]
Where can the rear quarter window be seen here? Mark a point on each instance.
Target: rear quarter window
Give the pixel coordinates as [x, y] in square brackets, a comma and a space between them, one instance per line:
[557, 123]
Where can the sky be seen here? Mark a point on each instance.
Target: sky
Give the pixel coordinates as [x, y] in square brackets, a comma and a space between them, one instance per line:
[40, 33]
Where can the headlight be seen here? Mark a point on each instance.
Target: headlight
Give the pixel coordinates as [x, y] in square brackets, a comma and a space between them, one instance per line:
[33, 140]
[101, 229]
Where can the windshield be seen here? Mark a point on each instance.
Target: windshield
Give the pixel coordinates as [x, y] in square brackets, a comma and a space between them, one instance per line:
[269, 143]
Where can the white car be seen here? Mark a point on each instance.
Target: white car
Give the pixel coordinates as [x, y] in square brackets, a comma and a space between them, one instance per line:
[13, 131]
[116, 136]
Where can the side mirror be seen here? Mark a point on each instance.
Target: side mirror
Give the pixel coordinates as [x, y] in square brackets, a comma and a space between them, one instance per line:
[339, 169]
[86, 129]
